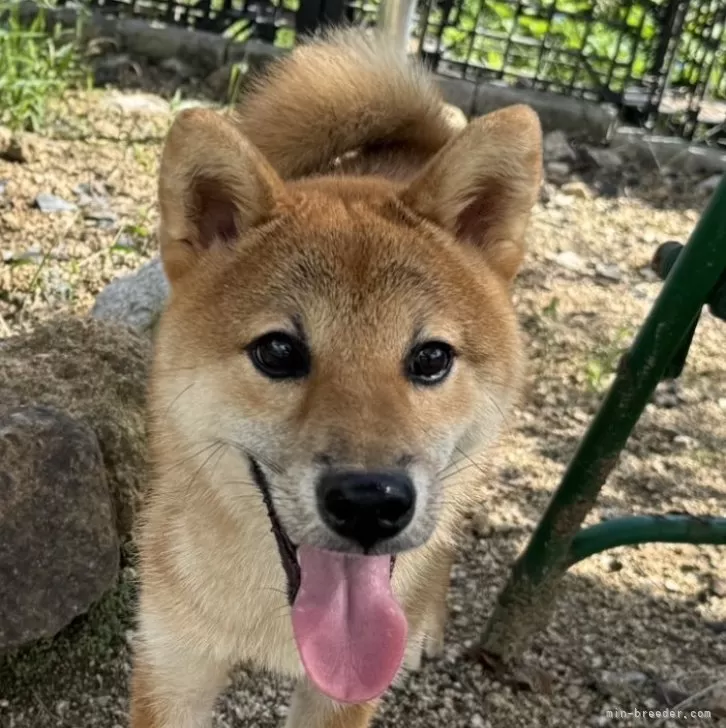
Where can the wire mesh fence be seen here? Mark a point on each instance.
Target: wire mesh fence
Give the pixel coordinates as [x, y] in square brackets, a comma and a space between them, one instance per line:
[661, 62]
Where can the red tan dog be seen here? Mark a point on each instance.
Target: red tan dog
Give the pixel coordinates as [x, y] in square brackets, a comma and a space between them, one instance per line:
[339, 334]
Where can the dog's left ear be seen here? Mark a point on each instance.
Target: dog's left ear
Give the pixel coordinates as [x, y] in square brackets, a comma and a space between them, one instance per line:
[214, 187]
[483, 184]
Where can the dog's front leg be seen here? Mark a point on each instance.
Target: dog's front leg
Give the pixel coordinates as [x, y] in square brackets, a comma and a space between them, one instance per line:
[170, 689]
[433, 624]
[310, 709]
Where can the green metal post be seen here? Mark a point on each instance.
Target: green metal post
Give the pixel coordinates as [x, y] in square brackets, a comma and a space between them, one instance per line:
[527, 598]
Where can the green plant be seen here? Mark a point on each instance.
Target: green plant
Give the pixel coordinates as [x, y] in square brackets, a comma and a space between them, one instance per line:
[236, 82]
[38, 64]
[176, 101]
[551, 310]
[604, 360]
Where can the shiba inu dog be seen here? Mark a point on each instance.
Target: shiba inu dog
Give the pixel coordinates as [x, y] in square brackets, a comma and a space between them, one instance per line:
[339, 334]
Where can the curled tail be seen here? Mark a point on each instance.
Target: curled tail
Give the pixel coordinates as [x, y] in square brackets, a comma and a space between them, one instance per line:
[344, 91]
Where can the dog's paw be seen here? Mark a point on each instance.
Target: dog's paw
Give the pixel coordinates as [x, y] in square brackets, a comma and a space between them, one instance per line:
[413, 660]
[433, 646]
[430, 648]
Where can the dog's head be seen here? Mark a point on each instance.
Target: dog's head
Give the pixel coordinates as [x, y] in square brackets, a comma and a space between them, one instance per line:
[347, 337]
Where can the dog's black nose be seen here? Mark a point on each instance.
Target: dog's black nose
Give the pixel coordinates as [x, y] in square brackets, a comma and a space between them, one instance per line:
[365, 506]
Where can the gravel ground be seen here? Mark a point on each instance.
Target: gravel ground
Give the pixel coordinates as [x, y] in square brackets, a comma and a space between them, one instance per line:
[635, 628]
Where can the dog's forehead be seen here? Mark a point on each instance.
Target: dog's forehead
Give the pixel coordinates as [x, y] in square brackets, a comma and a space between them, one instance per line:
[356, 268]
[357, 262]
[350, 289]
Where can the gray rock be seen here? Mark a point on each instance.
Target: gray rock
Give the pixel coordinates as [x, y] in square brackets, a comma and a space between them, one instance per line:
[605, 158]
[710, 184]
[60, 549]
[610, 271]
[136, 299]
[93, 200]
[666, 397]
[50, 203]
[138, 103]
[633, 677]
[686, 442]
[558, 172]
[97, 373]
[111, 69]
[576, 189]
[617, 682]
[177, 67]
[91, 193]
[33, 254]
[557, 148]
[103, 216]
[570, 260]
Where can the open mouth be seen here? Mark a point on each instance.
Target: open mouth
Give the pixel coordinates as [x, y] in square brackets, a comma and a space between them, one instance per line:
[349, 628]
[287, 549]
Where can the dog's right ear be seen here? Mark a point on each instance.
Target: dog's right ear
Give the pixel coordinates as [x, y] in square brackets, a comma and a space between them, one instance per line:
[214, 185]
[483, 185]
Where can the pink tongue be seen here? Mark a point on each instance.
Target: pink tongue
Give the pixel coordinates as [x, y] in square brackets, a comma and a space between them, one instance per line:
[349, 628]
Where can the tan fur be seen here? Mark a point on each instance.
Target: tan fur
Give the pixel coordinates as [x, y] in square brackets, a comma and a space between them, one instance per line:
[345, 193]
[368, 90]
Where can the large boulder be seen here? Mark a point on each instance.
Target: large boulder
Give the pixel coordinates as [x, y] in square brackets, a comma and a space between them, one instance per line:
[59, 544]
[96, 373]
[136, 299]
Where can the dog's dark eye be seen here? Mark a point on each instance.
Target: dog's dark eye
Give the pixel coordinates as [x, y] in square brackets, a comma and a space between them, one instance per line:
[429, 363]
[280, 356]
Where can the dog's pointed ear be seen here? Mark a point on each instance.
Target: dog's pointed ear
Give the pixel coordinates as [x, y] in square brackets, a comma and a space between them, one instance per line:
[214, 186]
[483, 184]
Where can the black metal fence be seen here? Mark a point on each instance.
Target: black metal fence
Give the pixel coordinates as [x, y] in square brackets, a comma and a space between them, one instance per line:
[661, 62]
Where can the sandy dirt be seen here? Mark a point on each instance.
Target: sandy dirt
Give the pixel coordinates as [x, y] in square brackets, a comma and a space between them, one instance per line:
[634, 628]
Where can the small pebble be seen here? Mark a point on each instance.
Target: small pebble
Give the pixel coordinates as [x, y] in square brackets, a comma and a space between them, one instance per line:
[570, 260]
[610, 271]
[576, 189]
[48, 203]
[710, 183]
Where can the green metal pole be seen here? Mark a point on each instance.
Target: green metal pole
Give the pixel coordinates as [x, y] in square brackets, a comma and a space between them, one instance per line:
[524, 604]
[631, 530]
